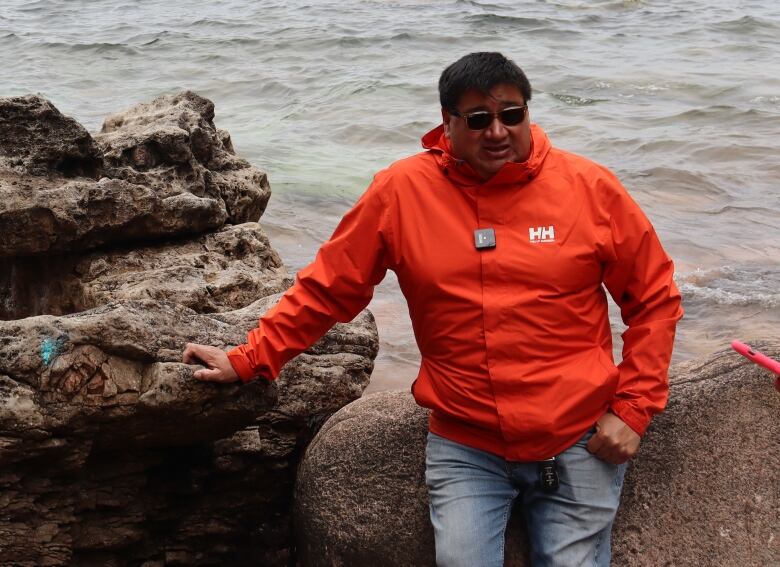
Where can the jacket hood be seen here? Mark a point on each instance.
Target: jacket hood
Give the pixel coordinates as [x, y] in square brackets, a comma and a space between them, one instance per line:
[461, 173]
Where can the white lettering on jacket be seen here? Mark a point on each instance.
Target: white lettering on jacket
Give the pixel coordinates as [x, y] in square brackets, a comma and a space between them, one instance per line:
[541, 234]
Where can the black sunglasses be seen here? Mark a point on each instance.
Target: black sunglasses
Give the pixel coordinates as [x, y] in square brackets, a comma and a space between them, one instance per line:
[481, 119]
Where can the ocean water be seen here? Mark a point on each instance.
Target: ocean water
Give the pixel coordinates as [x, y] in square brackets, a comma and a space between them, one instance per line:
[680, 98]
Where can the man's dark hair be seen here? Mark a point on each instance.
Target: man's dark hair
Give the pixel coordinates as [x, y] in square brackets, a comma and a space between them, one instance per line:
[480, 71]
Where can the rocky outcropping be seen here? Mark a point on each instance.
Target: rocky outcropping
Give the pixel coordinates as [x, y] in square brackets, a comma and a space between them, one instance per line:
[157, 170]
[703, 489]
[116, 251]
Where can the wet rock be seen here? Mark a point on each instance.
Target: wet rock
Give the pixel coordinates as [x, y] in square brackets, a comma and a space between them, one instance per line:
[702, 491]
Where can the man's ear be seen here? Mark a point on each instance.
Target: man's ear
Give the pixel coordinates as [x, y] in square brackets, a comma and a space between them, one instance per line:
[445, 118]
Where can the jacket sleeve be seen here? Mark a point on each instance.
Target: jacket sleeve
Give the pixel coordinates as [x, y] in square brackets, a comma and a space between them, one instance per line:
[639, 277]
[335, 287]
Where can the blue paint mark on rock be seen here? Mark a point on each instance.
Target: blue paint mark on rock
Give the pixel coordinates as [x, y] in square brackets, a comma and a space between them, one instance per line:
[51, 348]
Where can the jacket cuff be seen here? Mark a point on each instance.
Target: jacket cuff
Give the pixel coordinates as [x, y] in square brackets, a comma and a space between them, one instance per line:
[635, 419]
[241, 365]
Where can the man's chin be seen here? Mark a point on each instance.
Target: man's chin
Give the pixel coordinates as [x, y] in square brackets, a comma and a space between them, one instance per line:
[494, 165]
[488, 170]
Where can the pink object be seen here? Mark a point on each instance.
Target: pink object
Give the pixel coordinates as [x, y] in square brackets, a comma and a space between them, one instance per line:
[758, 358]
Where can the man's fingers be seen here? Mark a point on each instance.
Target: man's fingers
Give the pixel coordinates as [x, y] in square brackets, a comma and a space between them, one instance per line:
[607, 449]
[613, 452]
[199, 354]
[218, 367]
[616, 458]
[607, 454]
[614, 441]
[208, 375]
[190, 354]
[611, 456]
[595, 444]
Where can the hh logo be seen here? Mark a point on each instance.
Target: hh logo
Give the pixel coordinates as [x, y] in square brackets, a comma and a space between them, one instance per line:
[541, 234]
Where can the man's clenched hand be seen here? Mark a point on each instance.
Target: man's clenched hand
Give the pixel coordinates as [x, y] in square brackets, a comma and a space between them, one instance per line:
[614, 441]
[218, 367]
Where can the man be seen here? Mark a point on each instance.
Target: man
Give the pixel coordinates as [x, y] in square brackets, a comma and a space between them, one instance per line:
[501, 244]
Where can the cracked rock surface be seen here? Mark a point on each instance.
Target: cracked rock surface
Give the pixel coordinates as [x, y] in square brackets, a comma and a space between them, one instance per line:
[117, 250]
[36, 139]
[703, 489]
[225, 269]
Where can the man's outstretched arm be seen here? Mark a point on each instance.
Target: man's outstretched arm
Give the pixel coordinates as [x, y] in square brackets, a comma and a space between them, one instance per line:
[334, 288]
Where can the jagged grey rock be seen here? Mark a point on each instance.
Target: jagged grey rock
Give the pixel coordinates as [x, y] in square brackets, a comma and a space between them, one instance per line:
[98, 367]
[333, 369]
[172, 145]
[702, 491]
[75, 390]
[36, 139]
[39, 215]
[226, 269]
[101, 372]
[159, 169]
[110, 453]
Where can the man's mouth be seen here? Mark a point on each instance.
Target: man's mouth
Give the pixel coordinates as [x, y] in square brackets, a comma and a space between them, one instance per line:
[497, 152]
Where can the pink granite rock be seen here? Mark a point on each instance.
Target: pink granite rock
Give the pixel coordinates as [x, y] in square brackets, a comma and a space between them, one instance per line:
[703, 489]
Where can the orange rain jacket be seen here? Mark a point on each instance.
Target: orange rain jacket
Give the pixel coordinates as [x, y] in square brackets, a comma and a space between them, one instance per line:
[515, 340]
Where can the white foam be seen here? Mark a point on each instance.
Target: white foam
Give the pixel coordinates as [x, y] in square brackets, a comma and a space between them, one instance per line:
[650, 88]
[765, 99]
[725, 297]
[727, 285]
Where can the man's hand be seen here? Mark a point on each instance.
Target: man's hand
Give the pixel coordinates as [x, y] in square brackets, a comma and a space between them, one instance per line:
[614, 441]
[218, 367]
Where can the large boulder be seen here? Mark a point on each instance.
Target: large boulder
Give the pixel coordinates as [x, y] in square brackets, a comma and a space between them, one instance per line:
[703, 489]
[360, 495]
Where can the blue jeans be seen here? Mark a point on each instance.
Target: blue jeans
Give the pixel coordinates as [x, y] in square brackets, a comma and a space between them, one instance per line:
[471, 495]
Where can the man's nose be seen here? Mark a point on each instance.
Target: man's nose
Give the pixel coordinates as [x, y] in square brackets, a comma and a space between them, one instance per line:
[496, 130]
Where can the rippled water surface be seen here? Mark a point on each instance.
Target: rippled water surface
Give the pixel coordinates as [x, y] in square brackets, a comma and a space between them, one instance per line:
[681, 99]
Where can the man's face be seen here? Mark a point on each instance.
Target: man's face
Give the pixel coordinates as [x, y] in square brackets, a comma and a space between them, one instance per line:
[488, 149]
